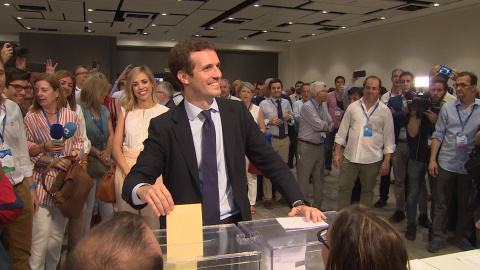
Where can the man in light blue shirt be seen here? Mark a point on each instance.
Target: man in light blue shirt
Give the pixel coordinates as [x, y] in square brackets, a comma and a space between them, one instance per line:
[457, 125]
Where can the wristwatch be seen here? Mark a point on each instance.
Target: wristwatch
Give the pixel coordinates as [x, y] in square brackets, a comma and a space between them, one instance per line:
[298, 203]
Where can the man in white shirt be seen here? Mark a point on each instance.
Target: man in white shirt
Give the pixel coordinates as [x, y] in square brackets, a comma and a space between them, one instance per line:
[298, 92]
[17, 236]
[81, 73]
[278, 114]
[368, 123]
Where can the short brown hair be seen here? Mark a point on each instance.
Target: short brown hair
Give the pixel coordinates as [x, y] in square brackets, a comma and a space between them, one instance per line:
[130, 100]
[116, 243]
[360, 238]
[93, 90]
[71, 99]
[50, 79]
[179, 57]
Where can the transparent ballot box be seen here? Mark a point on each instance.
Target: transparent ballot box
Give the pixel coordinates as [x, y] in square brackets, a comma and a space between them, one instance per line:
[223, 247]
[286, 248]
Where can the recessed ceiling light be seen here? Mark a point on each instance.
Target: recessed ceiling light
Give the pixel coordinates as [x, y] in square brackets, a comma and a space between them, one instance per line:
[153, 25]
[313, 34]
[197, 35]
[89, 31]
[19, 18]
[245, 37]
[382, 18]
[290, 22]
[436, 4]
[289, 40]
[256, 5]
[231, 18]
[324, 11]
[90, 22]
[6, 4]
[211, 28]
[264, 31]
[145, 33]
[343, 27]
[28, 28]
[90, 9]
[173, 38]
[164, 14]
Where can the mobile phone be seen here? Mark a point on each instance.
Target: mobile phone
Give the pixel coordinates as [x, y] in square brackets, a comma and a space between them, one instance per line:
[360, 73]
[96, 64]
[445, 70]
[35, 67]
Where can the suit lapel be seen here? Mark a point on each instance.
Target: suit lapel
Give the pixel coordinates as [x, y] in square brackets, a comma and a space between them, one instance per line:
[183, 134]
[229, 135]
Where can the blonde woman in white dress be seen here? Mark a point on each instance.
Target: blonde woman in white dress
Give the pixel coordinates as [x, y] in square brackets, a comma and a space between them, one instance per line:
[139, 106]
[246, 92]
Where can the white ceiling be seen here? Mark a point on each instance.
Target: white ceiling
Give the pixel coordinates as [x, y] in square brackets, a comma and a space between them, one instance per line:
[262, 22]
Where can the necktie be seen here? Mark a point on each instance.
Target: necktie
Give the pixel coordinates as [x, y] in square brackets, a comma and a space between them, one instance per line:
[210, 200]
[281, 127]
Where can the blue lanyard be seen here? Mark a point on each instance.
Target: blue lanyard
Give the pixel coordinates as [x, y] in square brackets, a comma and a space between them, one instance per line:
[229, 96]
[315, 108]
[374, 109]
[4, 121]
[176, 95]
[460, 118]
[249, 106]
[271, 99]
[99, 118]
[48, 122]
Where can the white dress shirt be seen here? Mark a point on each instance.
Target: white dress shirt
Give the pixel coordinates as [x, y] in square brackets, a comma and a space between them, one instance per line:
[370, 149]
[15, 139]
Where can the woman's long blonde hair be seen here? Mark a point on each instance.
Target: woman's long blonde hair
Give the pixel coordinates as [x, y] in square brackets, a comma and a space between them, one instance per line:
[130, 100]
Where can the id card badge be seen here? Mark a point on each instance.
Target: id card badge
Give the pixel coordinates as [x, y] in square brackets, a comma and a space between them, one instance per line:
[323, 136]
[403, 133]
[367, 130]
[462, 139]
[61, 154]
[429, 141]
[7, 160]
[338, 112]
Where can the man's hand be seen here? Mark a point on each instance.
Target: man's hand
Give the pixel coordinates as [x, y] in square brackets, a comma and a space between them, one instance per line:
[33, 194]
[337, 160]
[392, 110]
[353, 79]
[433, 168]
[7, 52]
[123, 76]
[49, 68]
[309, 212]
[384, 168]
[158, 197]
[275, 121]
[431, 116]
[21, 63]
[287, 117]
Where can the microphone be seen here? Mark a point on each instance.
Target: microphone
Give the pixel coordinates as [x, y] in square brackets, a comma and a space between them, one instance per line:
[69, 130]
[56, 132]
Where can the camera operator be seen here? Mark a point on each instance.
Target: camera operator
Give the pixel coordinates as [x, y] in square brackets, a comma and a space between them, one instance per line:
[420, 129]
[14, 55]
[399, 107]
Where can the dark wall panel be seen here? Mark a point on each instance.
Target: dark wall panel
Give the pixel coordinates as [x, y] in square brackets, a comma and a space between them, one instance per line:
[71, 51]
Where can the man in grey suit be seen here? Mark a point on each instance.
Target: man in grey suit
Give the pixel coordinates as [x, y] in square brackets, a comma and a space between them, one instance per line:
[177, 141]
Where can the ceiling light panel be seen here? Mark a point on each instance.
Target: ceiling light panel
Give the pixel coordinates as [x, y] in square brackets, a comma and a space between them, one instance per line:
[170, 7]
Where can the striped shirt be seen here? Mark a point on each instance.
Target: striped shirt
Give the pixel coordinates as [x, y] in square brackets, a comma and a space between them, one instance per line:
[38, 132]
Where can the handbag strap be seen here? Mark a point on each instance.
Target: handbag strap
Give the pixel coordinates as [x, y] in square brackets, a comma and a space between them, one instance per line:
[49, 166]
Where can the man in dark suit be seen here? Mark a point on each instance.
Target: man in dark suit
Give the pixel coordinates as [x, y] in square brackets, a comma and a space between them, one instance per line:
[178, 139]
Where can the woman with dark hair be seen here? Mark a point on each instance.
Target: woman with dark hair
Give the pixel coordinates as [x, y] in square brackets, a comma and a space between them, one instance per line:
[100, 133]
[48, 222]
[360, 238]
[139, 106]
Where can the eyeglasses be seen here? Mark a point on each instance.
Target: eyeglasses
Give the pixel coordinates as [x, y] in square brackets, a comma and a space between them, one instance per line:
[82, 73]
[19, 88]
[461, 85]
[322, 237]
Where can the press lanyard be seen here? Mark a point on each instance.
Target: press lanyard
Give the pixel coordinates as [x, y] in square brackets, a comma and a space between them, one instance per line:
[176, 95]
[249, 106]
[4, 121]
[315, 107]
[99, 118]
[275, 102]
[48, 122]
[460, 118]
[368, 116]
[230, 97]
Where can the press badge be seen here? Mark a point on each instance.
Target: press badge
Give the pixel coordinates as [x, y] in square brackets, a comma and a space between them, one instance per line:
[323, 136]
[7, 160]
[338, 112]
[403, 133]
[61, 154]
[429, 141]
[367, 130]
[462, 139]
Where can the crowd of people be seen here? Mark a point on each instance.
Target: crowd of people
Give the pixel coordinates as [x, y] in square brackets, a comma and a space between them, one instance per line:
[154, 134]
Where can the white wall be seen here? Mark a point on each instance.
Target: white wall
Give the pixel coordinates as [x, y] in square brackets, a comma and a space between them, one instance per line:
[451, 39]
